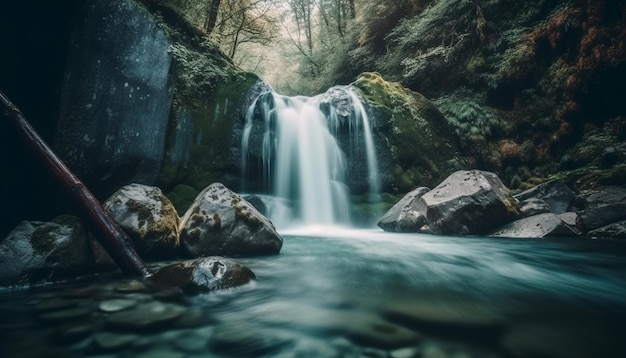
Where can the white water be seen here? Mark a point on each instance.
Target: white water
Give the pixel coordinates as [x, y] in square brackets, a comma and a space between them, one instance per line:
[303, 166]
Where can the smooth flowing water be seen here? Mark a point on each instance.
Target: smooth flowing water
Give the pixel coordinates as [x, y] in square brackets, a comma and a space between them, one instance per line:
[347, 293]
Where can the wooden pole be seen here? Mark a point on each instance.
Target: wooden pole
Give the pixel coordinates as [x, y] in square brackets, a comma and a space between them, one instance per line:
[109, 234]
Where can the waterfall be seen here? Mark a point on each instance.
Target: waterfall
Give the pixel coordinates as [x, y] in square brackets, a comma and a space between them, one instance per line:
[290, 148]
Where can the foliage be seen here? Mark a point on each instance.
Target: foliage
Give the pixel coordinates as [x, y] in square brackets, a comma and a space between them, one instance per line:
[472, 120]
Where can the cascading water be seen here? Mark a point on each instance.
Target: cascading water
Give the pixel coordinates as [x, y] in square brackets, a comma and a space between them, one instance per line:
[298, 158]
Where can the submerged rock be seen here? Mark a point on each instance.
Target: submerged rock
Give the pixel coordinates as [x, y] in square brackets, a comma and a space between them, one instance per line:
[537, 226]
[206, 274]
[469, 202]
[38, 251]
[146, 317]
[149, 219]
[408, 215]
[603, 207]
[220, 222]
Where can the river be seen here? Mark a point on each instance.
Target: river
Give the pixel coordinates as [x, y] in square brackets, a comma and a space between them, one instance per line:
[360, 293]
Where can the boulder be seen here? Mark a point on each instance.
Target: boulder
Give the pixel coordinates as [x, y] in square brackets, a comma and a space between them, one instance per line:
[615, 231]
[220, 222]
[149, 219]
[555, 194]
[205, 274]
[36, 252]
[603, 207]
[537, 226]
[533, 206]
[408, 215]
[469, 202]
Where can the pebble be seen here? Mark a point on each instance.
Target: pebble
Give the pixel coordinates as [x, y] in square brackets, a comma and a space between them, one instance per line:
[131, 286]
[115, 305]
[408, 352]
[146, 317]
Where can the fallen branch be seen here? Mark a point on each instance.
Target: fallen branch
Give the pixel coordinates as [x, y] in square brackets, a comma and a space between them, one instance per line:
[109, 234]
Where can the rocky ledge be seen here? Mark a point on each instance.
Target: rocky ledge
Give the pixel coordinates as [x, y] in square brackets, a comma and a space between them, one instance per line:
[477, 203]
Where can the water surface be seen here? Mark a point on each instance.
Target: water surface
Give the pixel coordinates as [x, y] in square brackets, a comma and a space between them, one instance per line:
[353, 293]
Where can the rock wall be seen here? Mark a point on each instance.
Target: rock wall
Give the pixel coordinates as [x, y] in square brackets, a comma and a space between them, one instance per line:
[116, 96]
[146, 100]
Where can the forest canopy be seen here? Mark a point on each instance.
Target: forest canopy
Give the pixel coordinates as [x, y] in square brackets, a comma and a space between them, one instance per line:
[300, 46]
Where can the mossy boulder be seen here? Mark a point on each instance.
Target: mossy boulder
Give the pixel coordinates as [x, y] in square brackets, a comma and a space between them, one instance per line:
[149, 219]
[415, 144]
[220, 222]
[40, 252]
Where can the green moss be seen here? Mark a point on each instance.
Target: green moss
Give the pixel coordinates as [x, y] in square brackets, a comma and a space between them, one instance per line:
[182, 196]
[417, 135]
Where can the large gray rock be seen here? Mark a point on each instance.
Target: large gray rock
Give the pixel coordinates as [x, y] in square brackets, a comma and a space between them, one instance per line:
[537, 226]
[149, 219]
[205, 274]
[220, 222]
[556, 195]
[37, 251]
[469, 202]
[603, 207]
[408, 215]
[116, 96]
[614, 231]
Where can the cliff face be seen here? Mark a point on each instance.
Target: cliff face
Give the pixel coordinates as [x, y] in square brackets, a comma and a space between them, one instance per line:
[145, 99]
[116, 96]
[136, 95]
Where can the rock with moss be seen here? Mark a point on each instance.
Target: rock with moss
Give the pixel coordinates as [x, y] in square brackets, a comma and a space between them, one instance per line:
[414, 141]
[149, 219]
[205, 274]
[40, 252]
[408, 215]
[220, 222]
[469, 202]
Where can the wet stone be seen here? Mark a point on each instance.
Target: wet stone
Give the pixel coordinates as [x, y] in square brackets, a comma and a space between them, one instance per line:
[408, 352]
[113, 341]
[131, 286]
[146, 317]
[65, 315]
[116, 305]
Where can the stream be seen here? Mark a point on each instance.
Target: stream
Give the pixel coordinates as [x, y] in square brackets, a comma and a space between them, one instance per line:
[349, 293]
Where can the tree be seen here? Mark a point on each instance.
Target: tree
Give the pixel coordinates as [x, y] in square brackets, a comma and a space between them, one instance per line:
[243, 22]
[212, 10]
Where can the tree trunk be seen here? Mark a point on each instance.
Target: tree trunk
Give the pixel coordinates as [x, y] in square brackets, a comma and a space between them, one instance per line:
[211, 18]
[113, 239]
